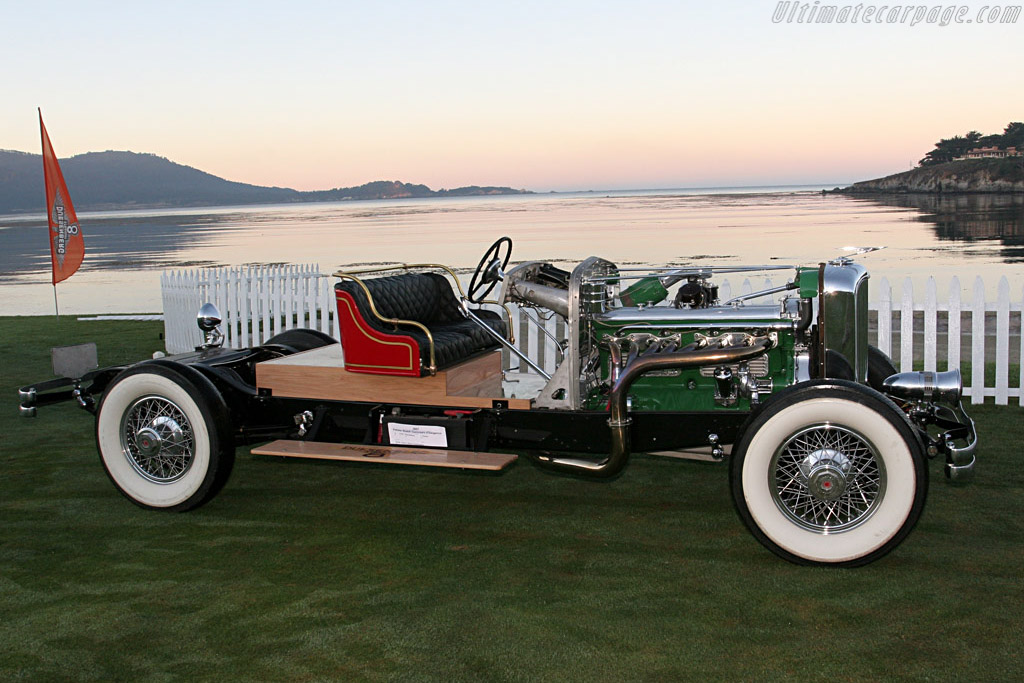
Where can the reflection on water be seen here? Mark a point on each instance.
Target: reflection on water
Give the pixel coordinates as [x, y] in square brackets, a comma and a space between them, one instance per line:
[969, 218]
[112, 243]
[126, 251]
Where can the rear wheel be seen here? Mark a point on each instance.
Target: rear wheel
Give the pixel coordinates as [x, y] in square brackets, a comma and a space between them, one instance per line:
[164, 437]
[829, 474]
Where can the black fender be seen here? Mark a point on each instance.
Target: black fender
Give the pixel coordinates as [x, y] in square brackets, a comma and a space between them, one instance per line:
[299, 339]
[206, 388]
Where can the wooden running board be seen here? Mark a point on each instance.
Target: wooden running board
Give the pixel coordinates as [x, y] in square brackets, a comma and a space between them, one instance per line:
[393, 455]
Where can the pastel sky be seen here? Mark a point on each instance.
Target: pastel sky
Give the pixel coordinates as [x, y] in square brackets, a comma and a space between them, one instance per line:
[540, 95]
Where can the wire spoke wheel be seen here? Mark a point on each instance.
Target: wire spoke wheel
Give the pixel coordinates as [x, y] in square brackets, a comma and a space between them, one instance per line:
[829, 472]
[164, 436]
[157, 439]
[827, 479]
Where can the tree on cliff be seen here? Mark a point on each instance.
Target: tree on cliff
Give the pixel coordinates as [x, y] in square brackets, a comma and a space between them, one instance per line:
[950, 148]
[1013, 135]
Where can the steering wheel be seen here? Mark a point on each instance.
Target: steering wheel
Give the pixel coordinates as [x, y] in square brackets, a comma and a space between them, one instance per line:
[490, 271]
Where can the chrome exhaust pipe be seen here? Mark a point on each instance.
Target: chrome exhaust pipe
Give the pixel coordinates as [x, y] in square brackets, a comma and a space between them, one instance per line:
[705, 351]
[551, 298]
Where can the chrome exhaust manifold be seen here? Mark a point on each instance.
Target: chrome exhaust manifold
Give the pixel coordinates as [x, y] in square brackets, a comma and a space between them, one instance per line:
[723, 350]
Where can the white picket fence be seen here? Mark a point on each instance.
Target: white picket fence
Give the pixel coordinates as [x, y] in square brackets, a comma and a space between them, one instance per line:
[256, 303]
[991, 330]
[259, 302]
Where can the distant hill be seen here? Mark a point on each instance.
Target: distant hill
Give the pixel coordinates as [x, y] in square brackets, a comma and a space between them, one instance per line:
[967, 176]
[115, 180]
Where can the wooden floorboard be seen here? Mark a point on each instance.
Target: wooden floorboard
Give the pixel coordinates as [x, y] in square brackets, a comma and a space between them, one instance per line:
[392, 455]
[320, 374]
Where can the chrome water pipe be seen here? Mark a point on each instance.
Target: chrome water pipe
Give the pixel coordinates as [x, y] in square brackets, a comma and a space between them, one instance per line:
[724, 350]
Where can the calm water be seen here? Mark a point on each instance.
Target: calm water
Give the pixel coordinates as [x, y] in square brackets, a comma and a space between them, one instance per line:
[127, 251]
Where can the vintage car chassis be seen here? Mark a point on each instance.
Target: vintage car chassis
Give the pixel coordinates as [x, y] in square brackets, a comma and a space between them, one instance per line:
[829, 444]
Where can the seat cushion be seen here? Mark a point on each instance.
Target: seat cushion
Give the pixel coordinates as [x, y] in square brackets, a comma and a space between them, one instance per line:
[455, 342]
[426, 298]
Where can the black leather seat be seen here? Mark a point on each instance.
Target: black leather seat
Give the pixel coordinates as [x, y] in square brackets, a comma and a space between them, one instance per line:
[426, 298]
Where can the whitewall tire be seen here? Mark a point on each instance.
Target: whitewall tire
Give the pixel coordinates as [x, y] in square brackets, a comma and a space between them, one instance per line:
[164, 436]
[831, 473]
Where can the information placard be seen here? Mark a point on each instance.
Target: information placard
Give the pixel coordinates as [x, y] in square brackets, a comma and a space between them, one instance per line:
[417, 435]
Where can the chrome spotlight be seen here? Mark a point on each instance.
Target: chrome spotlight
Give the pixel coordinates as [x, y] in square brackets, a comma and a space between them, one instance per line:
[209, 320]
[946, 387]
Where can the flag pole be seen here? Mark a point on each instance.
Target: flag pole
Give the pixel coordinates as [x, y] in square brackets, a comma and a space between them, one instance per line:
[56, 311]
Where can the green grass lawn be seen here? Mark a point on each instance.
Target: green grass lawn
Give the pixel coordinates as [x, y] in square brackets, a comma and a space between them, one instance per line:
[326, 571]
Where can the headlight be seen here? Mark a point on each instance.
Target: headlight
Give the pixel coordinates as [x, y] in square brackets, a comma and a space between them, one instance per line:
[946, 387]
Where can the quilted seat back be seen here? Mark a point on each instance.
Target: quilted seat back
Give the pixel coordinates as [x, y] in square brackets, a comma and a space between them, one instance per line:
[374, 346]
[424, 297]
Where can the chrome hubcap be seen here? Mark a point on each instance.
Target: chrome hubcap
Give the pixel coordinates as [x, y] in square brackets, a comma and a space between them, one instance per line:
[827, 478]
[157, 439]
[825, 471]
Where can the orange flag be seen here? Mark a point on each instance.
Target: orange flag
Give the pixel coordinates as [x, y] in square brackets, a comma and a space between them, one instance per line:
[67, 248]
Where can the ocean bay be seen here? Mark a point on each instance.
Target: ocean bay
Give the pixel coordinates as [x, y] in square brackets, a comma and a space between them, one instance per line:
[126, 251]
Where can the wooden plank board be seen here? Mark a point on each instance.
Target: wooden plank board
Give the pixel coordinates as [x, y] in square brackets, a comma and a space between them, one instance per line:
[480, 376]
[392, 455]
[320, 374]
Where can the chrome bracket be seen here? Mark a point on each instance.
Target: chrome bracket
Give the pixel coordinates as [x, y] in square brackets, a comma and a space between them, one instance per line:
[717, 452]
[303, 421]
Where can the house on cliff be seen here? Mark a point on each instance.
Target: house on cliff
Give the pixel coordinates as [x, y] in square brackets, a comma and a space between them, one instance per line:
[990, 153]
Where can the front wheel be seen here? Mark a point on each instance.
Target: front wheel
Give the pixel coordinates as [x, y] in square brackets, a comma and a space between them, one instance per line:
[163, 433]
[829, 474]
